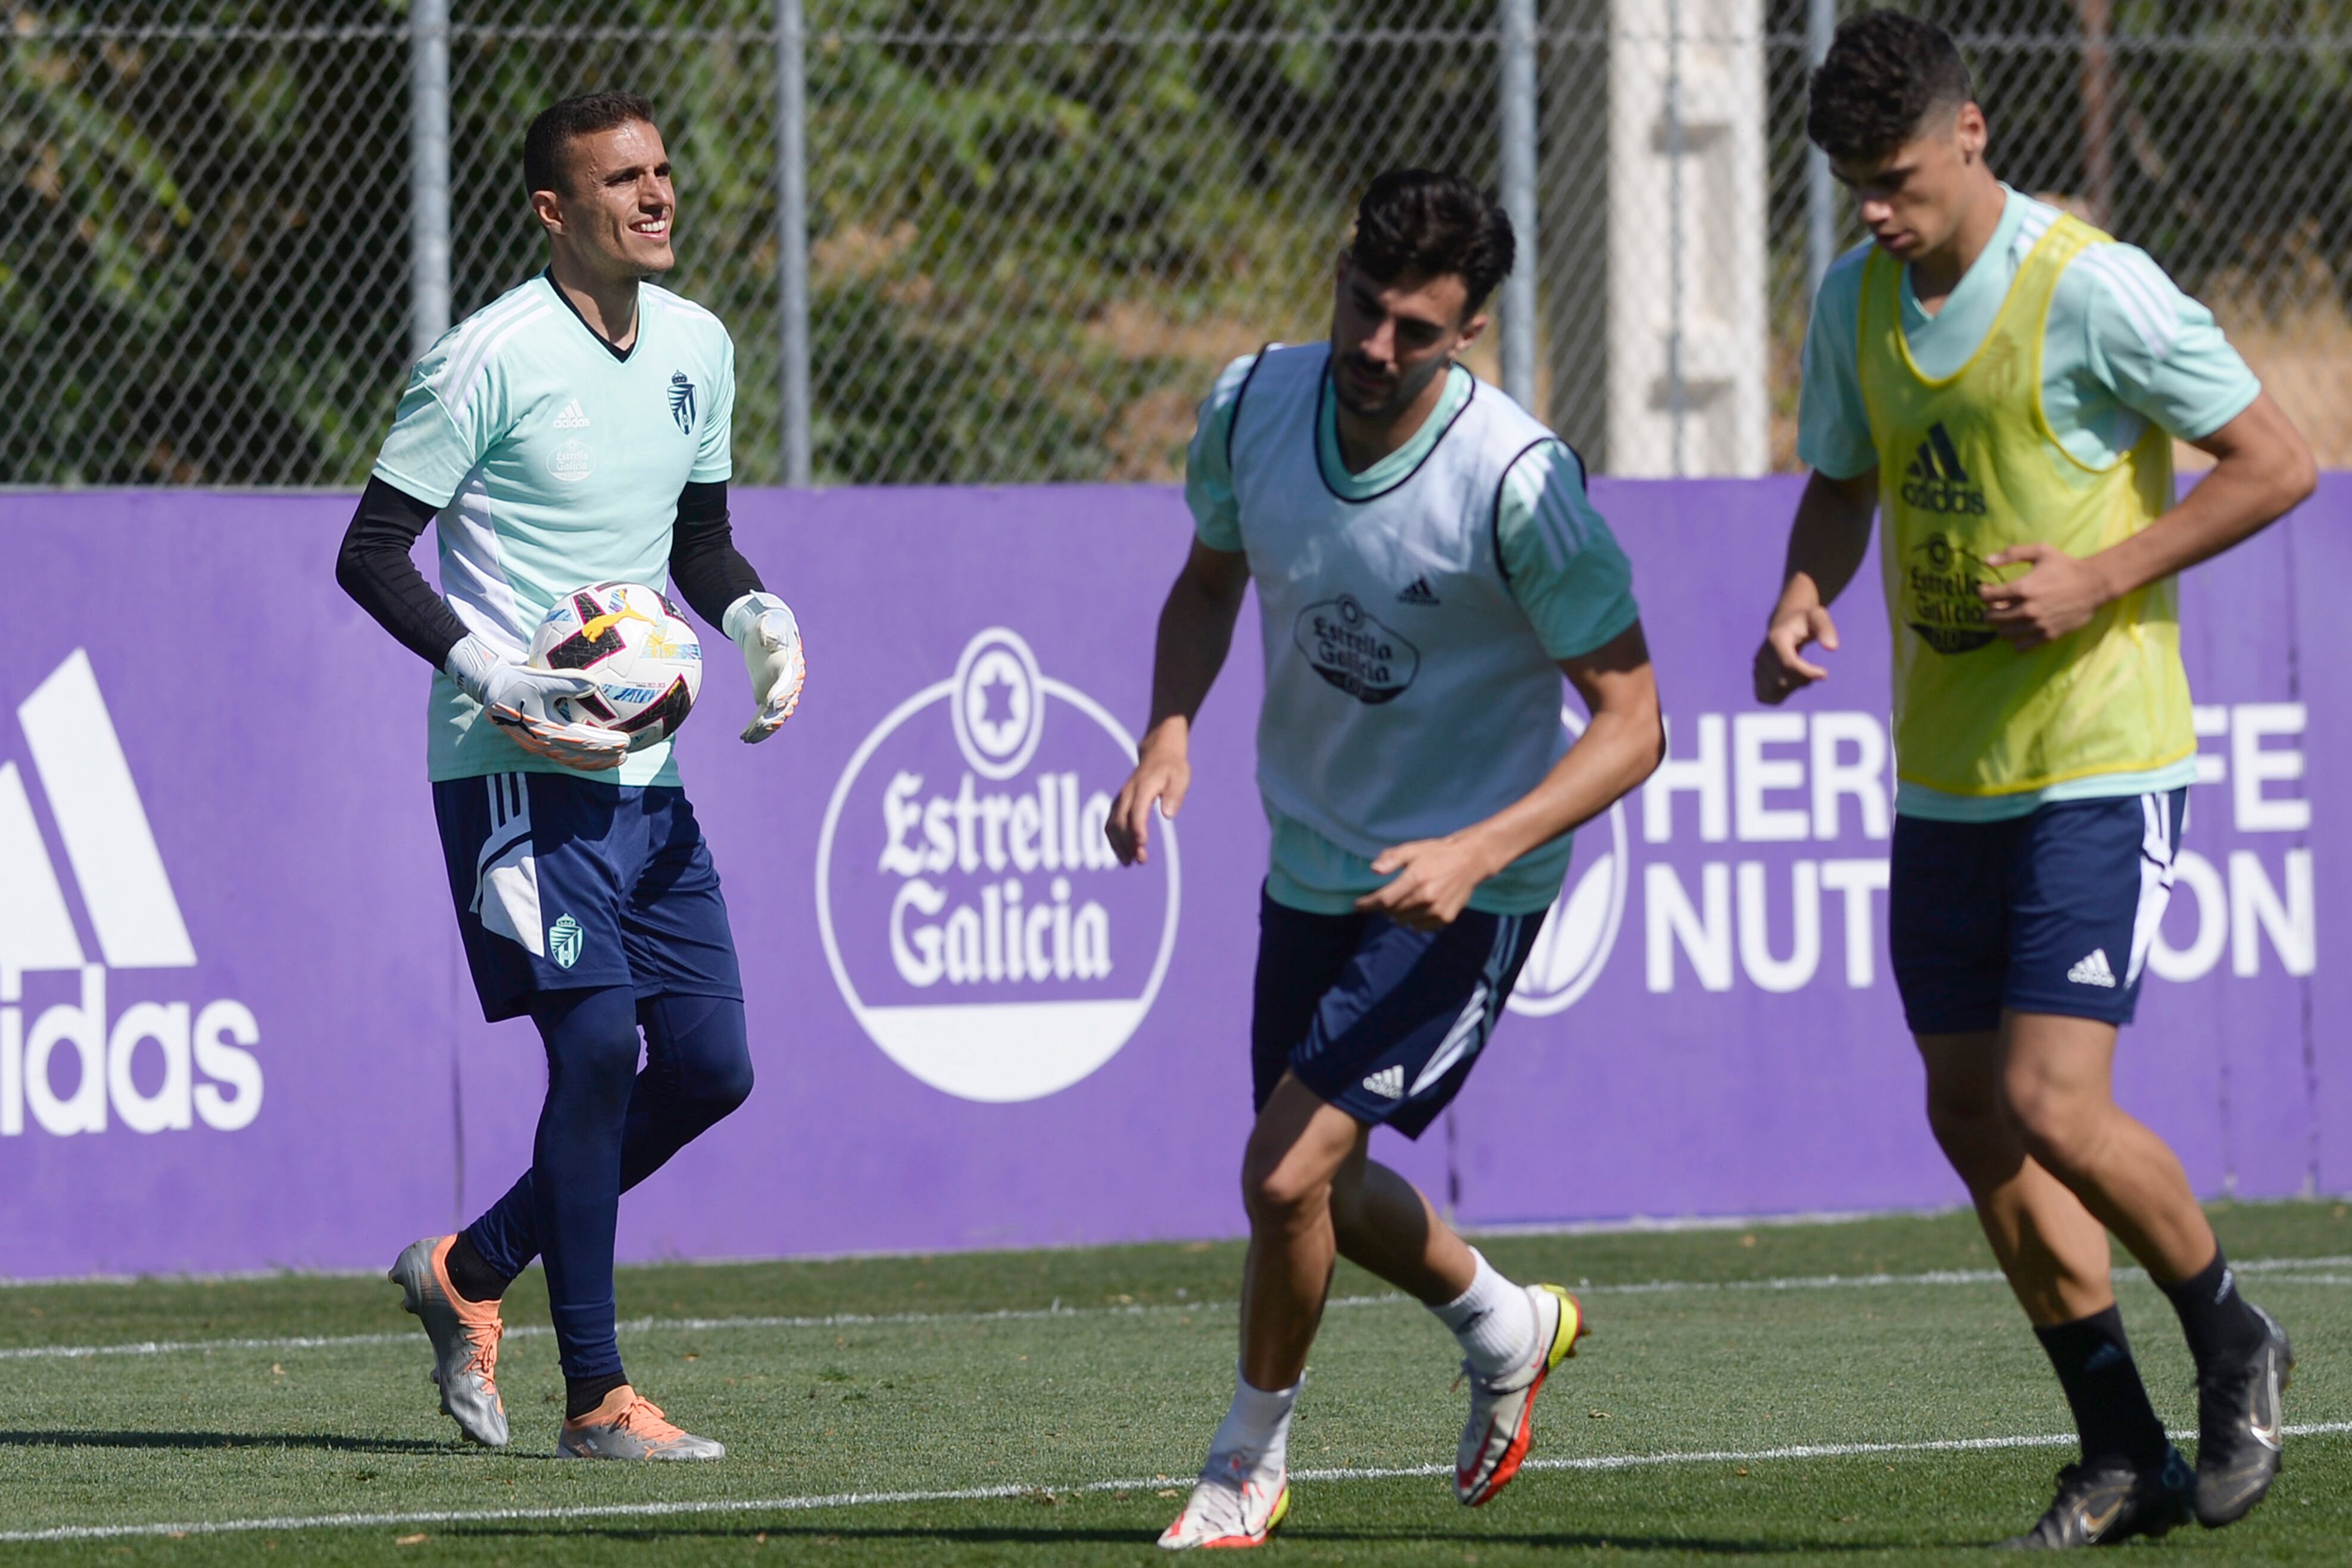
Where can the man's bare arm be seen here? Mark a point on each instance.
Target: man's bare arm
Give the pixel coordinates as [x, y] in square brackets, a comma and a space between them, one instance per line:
[1826, 544]
[1432, 880]
[1196, 629]
[2263, 470]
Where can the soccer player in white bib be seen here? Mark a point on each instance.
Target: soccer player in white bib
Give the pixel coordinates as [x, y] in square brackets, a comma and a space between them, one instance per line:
[574, 431]
[1428, 567]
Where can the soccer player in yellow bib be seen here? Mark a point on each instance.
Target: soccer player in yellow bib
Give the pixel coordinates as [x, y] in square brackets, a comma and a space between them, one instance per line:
[2003, 383]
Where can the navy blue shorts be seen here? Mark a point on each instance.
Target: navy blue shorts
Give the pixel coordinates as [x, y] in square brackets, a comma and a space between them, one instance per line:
[2052, 913]
[1380, 1020]
[564, 881]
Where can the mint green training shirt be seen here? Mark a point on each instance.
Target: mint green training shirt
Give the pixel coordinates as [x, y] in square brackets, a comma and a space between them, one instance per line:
[1567, 573]
[2124, 349]
[556, 463]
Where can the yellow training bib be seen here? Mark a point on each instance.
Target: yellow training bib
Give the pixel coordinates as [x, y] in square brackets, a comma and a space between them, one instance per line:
[1968, 466]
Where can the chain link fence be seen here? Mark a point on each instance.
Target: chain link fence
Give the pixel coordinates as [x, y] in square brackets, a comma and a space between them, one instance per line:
[1035, 232]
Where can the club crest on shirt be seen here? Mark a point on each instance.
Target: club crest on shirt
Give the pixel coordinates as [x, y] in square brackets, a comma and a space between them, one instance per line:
[1356, 650]
[681, 400]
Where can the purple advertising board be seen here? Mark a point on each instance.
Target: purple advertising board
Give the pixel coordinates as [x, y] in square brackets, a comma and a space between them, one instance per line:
[237, 1033]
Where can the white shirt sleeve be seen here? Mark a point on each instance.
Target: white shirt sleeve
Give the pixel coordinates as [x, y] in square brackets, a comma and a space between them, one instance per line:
[2148, 346]
[1833, 435]
[714, 458]
[1565, 567]
[1208, 463]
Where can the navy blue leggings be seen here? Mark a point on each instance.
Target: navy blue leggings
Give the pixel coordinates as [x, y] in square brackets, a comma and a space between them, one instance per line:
[606, 1127]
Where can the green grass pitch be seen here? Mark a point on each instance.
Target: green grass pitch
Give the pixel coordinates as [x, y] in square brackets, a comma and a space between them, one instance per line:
[1809, 1394]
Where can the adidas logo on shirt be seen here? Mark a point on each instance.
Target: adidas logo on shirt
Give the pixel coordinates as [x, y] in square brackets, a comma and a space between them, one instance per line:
[1418, 591]
[1936, 481]
[2094, 970]
[1388, 1082]
[572, 417]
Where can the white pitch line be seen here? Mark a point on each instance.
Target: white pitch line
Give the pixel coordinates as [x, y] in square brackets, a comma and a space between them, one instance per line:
[994, 1493]
[649, 1325]
[2291, 1270]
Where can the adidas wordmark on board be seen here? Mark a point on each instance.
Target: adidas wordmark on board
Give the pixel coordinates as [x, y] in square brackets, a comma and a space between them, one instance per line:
[126, 897]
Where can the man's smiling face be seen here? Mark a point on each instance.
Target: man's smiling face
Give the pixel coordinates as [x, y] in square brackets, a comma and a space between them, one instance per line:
[619, 202]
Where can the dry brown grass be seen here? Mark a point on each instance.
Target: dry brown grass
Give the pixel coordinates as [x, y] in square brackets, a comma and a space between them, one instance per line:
[2305, 360]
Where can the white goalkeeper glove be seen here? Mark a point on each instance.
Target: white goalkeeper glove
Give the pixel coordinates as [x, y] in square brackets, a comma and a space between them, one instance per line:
[761, 625]
[519, 700]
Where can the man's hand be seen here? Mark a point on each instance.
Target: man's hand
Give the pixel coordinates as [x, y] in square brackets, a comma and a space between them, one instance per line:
[1164, 772]
[521, 700]
[1430, 881]
[581, 747]
[1781, 668]
[2058, 594]
[762, 625]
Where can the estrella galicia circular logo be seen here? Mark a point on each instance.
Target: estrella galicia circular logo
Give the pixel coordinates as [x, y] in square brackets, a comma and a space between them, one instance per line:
[1577, 935]
[1355, 651]
[973, 915]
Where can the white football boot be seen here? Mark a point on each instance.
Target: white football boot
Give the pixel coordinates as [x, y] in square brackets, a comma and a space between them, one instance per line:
[628, 1426]
[1238, 1502]
[465, 1336]
[1502, 1409]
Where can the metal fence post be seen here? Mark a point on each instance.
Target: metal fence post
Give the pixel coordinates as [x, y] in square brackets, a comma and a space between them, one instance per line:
[792, 236]
[1518, 166]
[429, 174]
[2097, 24]
[1820, 190]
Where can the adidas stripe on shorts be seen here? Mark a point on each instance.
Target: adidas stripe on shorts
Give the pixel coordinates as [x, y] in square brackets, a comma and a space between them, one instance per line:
[1379, 1019]
[564, 881]
[2052, 913]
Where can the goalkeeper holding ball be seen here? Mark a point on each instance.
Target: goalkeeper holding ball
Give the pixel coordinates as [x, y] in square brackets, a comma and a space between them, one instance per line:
[574, 431]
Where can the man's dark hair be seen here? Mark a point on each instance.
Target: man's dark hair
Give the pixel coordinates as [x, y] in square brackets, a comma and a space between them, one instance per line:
[555, 128]
[1886, 75]
[1428, 224]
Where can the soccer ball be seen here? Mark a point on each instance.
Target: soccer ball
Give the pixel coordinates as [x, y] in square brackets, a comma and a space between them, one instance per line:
[646, 660]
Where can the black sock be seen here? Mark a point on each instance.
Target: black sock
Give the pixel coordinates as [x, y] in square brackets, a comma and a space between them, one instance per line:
[474, 1278]
[2095, 1366]
[581, 1394]
[2218, 1323]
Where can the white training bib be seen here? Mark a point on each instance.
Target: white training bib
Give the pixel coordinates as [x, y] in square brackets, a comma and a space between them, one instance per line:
[1407, 694]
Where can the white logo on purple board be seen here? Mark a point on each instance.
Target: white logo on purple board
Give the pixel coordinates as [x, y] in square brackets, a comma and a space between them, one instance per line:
[202, 1067]
[973, 915]
[1577, 935]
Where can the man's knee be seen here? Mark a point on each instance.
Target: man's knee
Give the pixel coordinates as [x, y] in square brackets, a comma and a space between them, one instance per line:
[1963, 1120]
[717, 1090]
[707, 1038]
[591, 1042]
[2063, 1127]
[1282, 1191]
[1965, 1111]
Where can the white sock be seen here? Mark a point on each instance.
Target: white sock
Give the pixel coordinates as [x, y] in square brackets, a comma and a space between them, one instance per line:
[1493, 1318]
[1258, 1423]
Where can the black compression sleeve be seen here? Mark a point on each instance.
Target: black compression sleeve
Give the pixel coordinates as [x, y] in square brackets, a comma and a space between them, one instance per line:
[374, 568]
[703, 561]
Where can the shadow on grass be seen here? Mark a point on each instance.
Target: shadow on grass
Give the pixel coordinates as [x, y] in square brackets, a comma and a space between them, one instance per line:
[339, 1441]
[1046, 1536]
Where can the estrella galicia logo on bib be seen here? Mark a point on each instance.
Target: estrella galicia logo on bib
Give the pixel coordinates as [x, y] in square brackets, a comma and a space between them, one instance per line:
[1356, 650]
[974, 919]
[1940, 600]
[681, 400]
